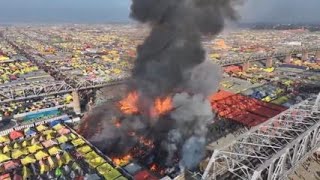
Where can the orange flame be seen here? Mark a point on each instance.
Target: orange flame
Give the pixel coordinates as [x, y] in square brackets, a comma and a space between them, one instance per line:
[153, 167]
[129, 105]
[122, 161]
[161, 106]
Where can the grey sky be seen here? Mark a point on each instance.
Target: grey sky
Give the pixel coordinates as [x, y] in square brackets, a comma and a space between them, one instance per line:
[103, 11]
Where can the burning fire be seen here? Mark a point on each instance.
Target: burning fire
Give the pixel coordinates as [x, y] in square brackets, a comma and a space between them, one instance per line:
[161, 106]
[121, 161]
[129, 105]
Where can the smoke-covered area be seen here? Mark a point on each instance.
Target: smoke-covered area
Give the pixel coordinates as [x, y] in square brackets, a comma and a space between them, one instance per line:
[172, 58]
[173, 47]
[192, 115]
[171, 62]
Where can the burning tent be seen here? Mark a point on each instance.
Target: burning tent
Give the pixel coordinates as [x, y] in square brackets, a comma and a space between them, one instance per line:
[163, 120]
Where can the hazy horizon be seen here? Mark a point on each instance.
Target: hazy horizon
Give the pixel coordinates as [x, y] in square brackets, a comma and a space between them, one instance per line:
[115, 11]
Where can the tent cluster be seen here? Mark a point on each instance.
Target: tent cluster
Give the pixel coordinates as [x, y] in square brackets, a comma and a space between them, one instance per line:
[32, 105]
[245, 110]
[12, 71]
[6, 50]
[51, 151]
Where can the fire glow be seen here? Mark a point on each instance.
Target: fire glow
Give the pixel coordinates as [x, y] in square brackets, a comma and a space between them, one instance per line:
[129, 105]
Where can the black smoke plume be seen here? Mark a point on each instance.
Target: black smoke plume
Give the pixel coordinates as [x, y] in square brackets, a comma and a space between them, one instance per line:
[174, 44]
[171, 61]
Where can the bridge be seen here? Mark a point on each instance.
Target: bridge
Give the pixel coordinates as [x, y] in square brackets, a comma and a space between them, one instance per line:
[271, 150]
[286, 54]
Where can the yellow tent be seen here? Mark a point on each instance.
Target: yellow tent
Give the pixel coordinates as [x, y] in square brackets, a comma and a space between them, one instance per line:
[4, 157]
[24, 143]
[4, 58]
[66, 157]
[26, 172]
[43, 167]
[85, 149]
[49, 136]
[34, 148]
[68, 99]
[62, 139]
[49, 131]
[54, 150]
[72, 136]
[17, 153]
[41, 155]
[28, 160]
[57, 127]
[6, 149]
[16, 145]
[91, 155]
[51, 163]
[41, 127]
[4, 139]
[78, 142]
[96, 162]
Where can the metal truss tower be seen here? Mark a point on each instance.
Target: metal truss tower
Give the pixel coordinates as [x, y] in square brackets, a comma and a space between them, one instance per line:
[271, 150]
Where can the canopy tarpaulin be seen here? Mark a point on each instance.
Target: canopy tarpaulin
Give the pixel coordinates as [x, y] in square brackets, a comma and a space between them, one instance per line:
[17, 153]
[30, 132]
[84, 149]
[57, 127]
[28, 160]
[62, 139]
[66, 157]
[78, 142]
[41, 127]
[4, 139]
[53, 123]
[9, 165]
[41, 155]
[66, 146]
[7, 148]
[4, 157]
[15, 135]
[54, 150]
[26, 172]
[96, 162]
[49, 143]
[63, 131]
[34, 148]
[108, 172]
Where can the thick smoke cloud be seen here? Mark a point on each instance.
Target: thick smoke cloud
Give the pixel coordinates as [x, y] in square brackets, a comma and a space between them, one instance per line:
[171, 62]
[174, 44]
[172, 59]
[192, 115]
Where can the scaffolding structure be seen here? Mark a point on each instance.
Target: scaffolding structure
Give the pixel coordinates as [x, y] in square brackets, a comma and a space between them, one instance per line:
[271, 150]
[264, 56]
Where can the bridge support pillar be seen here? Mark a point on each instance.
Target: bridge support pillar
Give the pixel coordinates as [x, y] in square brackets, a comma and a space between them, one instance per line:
[76, 102]
[269, 62]
[245, 66]
[304, 56]
[318, 55]
[287, 58]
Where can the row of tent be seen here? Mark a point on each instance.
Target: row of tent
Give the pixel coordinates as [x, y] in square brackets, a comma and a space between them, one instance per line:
[52, 151]
[243, 109]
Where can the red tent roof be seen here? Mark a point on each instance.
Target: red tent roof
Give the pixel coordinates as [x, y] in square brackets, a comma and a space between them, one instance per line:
[144, 175]
[221, 95]
[243, 109]
[15, 135]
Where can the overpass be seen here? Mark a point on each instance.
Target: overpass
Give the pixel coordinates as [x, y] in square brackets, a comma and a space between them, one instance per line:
[271, 150]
